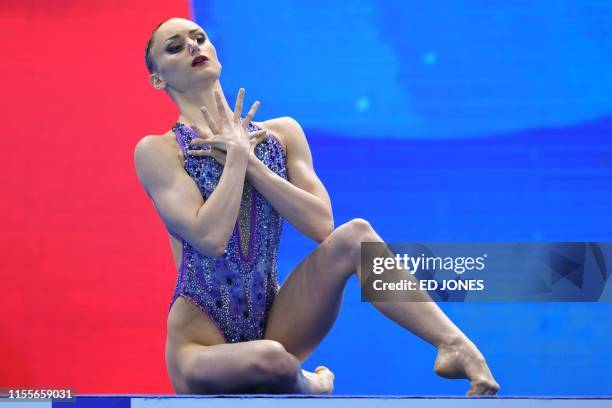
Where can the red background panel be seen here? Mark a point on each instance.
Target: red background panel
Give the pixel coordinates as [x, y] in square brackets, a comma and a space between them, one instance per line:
[87, 273]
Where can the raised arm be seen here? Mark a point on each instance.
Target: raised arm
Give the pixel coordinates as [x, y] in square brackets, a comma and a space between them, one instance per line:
[206, 224]
[303, 201]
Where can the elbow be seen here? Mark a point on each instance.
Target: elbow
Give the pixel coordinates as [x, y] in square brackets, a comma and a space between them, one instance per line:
[218, 251]
[325, 230]
[211, 248]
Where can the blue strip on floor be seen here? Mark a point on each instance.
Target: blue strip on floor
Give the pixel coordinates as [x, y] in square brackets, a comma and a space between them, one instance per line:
[331, 401]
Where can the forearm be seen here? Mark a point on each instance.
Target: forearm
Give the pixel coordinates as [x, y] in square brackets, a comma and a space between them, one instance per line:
[216, 218]
[305, 211]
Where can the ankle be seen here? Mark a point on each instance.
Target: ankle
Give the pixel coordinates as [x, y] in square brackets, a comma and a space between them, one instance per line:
[452, 341]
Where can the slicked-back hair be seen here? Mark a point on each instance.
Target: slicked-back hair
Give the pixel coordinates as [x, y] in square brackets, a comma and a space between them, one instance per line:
[151, 67]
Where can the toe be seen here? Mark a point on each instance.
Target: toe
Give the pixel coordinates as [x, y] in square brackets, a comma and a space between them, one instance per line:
[483, 388]
[323, 368]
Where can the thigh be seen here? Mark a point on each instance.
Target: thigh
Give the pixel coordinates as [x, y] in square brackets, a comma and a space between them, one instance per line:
[308, 302]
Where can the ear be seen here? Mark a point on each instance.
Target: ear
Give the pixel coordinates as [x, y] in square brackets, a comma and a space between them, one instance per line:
[157, 82]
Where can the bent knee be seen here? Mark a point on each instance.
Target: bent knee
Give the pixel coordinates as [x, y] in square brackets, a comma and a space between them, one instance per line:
[274, 363]
[357, 229]
[347, 238]
[361, 227]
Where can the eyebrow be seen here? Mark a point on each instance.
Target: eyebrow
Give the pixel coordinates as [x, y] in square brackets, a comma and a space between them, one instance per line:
[178, 35]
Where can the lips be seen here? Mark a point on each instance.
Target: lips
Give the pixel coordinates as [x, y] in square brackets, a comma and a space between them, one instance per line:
[200, 59]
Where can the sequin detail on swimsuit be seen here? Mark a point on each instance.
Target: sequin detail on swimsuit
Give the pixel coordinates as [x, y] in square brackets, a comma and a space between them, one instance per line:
[236, 289]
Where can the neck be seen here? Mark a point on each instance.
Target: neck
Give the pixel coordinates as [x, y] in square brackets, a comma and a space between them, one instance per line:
[189, 104]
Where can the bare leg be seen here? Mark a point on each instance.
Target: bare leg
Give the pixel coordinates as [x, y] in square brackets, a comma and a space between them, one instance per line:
[261, 366]
[309, 301]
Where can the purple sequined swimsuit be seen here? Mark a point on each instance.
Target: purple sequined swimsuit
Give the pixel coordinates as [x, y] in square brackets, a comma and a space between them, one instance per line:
[236, 289]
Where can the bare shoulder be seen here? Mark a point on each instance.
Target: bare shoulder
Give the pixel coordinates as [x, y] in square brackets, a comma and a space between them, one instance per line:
[157, 145]
[153, 154]
[285, 128]
[154, 143]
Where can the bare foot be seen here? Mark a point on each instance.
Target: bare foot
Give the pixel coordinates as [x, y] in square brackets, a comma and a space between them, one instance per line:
[321, 381]
[463, 360]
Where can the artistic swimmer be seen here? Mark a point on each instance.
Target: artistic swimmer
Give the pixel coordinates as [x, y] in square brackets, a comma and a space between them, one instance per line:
[222, 185]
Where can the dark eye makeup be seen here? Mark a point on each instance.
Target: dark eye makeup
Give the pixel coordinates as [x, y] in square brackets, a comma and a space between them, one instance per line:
[174, 48]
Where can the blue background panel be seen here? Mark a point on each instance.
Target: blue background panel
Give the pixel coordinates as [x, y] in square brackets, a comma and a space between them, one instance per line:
[445, 121]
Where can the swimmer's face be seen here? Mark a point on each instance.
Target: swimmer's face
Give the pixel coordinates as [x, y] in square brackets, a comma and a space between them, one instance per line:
[176, 44]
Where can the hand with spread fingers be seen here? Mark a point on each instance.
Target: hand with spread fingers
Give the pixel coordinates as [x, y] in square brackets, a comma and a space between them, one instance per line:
[230, 134]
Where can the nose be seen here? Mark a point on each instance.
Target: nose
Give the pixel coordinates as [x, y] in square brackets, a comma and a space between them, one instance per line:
[192, 46]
